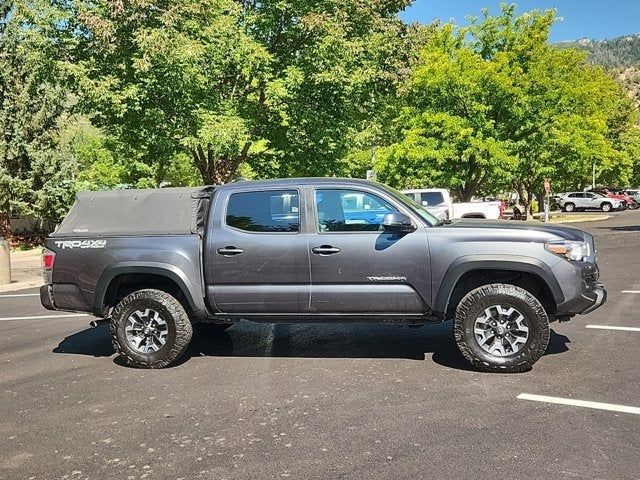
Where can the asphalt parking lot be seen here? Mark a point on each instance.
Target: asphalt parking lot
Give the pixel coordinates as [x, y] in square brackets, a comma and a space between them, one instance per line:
[326, 401]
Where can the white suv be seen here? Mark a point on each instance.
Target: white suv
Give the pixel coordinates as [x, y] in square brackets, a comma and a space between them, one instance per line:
[575, 201]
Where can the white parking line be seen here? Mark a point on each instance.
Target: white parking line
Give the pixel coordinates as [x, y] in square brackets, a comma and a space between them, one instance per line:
[630, 291]
[580, 403]
[13, 295]
[44, 317]
[606, 327]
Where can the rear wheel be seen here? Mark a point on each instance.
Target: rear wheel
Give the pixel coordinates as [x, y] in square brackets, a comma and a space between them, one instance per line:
[501, 328]
[605, 207]
[633, 206]
[569, 207]
[150, 329]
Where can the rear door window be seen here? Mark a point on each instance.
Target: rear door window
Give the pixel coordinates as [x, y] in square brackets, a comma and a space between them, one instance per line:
[265, 211]
[431, 198]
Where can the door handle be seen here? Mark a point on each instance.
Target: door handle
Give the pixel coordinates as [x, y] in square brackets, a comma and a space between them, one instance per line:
[325, 250]
[229, 251]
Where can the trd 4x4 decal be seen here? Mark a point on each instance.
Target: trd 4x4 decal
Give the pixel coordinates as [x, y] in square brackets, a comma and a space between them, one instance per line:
[64, 244]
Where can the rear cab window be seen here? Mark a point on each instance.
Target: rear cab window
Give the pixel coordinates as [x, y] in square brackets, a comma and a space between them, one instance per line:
[268, 211]
[431, 198]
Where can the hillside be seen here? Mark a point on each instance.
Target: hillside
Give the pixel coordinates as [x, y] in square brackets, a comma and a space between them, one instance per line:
[629, 78]
[617, 52]
[621, 56]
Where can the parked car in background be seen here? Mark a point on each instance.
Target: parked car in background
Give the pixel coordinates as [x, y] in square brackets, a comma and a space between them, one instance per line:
[438, 201]
[577, 201]
[634, 193]
[617, 193]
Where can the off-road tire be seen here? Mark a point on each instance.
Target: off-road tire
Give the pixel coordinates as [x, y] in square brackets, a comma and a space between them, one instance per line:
[179, 328]
[569, 207]
[606, 207]
[633, 206]
[471, 306]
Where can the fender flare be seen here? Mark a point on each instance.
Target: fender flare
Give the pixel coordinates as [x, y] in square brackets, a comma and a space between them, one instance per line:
[468, 263]
[194, 299]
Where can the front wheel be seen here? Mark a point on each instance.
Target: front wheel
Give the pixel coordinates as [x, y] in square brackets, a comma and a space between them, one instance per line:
[150, 329]
[569, 207]
[501, 328]
[605, 207]
[633, 206]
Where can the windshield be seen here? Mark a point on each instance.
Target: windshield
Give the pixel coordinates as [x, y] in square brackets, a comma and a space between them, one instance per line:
[415, 206]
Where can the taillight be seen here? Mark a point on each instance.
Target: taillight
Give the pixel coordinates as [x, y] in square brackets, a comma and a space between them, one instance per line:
[48, 259]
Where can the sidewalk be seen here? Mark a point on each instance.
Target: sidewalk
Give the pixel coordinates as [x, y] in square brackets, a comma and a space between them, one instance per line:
[26, 270]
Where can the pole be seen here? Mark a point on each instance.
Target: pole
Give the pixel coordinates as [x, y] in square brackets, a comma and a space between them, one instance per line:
[547, 203]
[593, 176]
[5, 262]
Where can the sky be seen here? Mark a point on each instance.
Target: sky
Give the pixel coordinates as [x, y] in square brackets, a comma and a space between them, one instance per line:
[595, 19]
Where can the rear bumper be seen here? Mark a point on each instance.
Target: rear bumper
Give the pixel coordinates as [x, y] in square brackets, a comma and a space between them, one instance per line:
[63, 296]
[46, 297]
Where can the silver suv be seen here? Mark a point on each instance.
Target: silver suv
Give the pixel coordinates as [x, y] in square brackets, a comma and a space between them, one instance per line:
[576, 201]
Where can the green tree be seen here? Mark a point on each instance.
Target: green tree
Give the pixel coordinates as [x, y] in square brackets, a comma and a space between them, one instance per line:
[283, 86]
[494, 106]
[448, 133]
[35, 177]
[565, 116]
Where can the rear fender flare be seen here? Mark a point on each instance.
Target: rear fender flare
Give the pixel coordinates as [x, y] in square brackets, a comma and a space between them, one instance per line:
[194, 298]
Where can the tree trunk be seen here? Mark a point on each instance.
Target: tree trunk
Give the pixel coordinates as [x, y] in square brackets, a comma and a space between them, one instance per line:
[529, 202]
[5, 226]
[541, 196]
[522, 194]
[465, 192]
[216, 171]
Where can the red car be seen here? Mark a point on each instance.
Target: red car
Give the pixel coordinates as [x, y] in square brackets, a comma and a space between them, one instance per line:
[619, 194]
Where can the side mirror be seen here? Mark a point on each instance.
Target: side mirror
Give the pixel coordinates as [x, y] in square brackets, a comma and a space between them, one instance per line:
[398, 222]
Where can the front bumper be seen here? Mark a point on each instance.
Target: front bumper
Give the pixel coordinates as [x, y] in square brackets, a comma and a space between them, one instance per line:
[585, 302]
[589, 294]
[601, 299]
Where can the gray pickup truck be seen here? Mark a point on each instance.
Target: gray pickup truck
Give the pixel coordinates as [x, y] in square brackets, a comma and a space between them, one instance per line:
[156, 262]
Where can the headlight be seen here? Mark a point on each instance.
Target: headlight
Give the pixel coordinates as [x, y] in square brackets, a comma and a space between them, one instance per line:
[573, 250]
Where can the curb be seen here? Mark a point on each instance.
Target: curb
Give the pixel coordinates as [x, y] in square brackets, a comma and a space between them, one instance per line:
[10, 287]
[590, 218]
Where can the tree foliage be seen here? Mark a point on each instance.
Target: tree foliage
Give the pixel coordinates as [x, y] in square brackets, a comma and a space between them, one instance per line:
[282, 86]
[494, 106]
[35, 177]
[101, 94]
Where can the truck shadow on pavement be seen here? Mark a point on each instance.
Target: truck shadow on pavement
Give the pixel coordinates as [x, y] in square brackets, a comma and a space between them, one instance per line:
[247, 339]
[622, 228]
[93, 342]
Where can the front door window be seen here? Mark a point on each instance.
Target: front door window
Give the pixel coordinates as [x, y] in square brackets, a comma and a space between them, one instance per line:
[350, 211]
